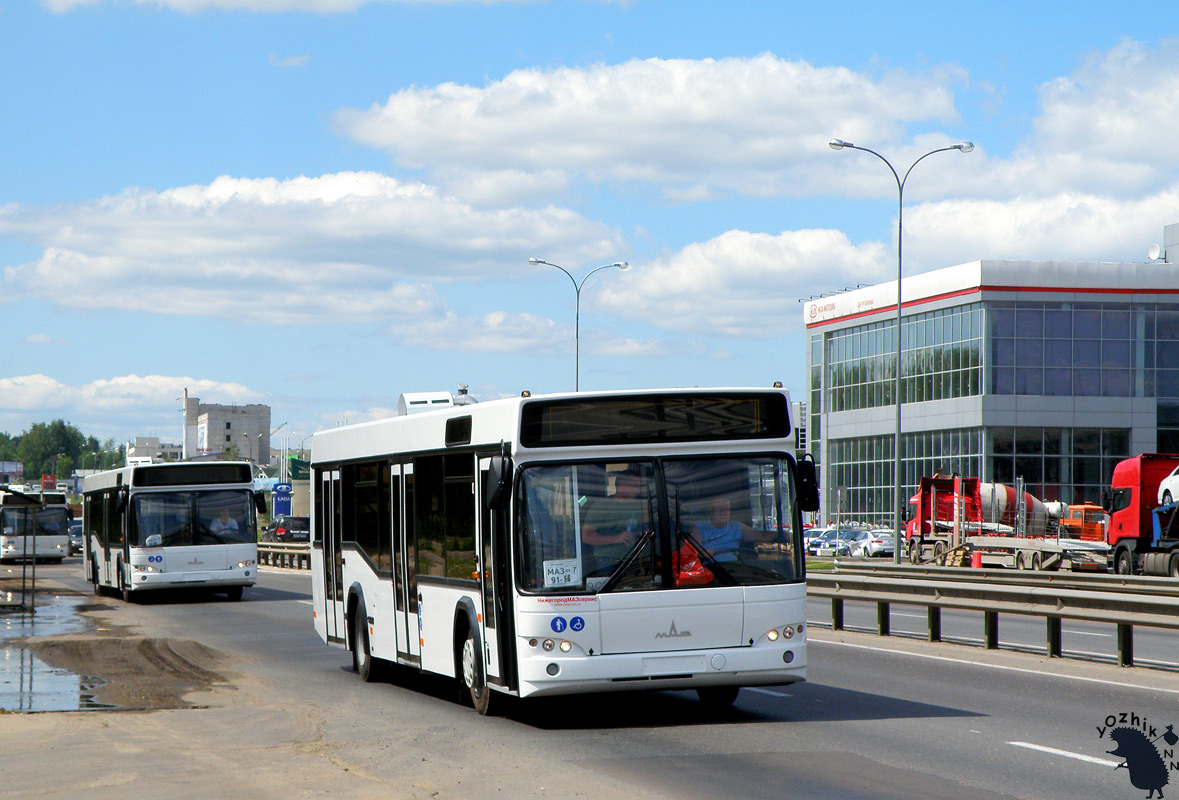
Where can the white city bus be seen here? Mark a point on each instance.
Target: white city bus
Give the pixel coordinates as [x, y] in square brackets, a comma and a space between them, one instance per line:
[176, 525]
[33, 525]
[563, 543]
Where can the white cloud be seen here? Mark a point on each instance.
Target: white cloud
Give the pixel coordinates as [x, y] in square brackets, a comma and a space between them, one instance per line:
[744, 284]
[40, 339]
[700, 130]
[1068, 227]
[1118, 114]
[288, 62]
[111, 406]
[348, 246]
[750, 126]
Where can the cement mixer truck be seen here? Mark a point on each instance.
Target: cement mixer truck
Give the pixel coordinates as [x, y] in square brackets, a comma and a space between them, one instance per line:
[961, 521]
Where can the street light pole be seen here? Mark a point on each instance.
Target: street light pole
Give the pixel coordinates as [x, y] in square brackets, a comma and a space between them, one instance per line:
[577, 309]
[962, 147]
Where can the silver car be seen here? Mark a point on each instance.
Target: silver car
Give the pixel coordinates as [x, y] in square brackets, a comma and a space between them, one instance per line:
[872, 543]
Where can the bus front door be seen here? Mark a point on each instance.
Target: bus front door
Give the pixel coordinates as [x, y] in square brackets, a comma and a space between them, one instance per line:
[496, 623]
[328, 512]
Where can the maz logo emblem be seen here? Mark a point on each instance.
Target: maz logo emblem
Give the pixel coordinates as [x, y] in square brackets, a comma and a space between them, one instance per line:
[672, 633]
[196, 562]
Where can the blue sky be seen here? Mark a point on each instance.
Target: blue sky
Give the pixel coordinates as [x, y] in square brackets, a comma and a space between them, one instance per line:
[320, 204]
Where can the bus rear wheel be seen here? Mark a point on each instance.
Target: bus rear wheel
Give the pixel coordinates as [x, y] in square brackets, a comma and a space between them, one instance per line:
[1122, 564]
[474, 675]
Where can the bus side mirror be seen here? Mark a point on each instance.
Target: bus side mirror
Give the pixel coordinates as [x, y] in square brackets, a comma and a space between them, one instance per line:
[1106, 503]
[124, 494]
[260, 502]
[497, 487]
[808, 484]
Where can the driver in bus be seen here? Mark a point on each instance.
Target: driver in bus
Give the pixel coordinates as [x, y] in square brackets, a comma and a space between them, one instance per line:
[613, 523]
[722, 535]
[224, 523]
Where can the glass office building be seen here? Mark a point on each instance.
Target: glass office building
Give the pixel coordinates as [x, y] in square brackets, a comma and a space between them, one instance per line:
[1049, 372]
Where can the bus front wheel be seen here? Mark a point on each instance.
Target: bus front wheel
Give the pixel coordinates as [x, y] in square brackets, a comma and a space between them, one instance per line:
[125, 588]
[362, 659]
[474, 675]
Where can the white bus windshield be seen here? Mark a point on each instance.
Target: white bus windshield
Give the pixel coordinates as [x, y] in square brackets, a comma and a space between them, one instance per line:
[599, 527]
[174, 519]
[50, 521]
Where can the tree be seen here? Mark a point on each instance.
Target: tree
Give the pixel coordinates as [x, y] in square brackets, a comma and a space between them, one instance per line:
[41, 446]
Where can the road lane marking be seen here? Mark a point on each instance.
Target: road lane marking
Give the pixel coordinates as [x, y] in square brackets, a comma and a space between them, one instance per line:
[767, 691]
[1105, 762]
[1086, 633]
[1024, 670]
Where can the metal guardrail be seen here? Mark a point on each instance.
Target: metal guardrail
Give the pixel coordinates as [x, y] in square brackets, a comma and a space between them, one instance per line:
[284, 555]
[1118, 605]
[1098, 581]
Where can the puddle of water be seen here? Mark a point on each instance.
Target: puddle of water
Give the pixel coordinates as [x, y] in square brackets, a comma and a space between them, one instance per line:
[28, 684]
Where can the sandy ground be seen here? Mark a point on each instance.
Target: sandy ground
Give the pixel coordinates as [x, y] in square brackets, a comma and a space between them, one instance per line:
[183, 722]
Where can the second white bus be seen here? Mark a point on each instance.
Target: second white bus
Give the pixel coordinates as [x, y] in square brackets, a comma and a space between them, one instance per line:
[175, 525]
[33, 526]
[568, 543]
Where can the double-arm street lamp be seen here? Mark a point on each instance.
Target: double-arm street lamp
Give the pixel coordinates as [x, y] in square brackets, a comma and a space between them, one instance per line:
[577, 309]
[898, 502]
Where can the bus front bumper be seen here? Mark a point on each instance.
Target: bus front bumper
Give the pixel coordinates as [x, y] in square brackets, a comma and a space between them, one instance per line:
[553, 673]
[235, 576]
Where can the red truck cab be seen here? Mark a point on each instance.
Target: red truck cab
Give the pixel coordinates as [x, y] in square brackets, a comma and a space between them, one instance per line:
[1133, 495]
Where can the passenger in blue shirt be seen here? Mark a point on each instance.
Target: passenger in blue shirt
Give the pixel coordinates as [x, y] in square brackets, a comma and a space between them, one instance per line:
[721, 535]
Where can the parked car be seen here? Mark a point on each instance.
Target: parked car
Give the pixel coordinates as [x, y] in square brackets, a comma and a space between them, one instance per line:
[1169, 488]
[76, 540]
[812, 534]
[873, 543]
[819, 539]
[288, 529]
[838, 545]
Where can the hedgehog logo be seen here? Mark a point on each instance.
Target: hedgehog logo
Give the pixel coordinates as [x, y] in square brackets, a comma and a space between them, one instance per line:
[1135, 739]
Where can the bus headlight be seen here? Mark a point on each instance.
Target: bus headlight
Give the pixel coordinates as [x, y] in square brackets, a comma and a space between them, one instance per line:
[788, 632]
[548, 644]
[246, 563]
[772, 635]
[566, 646]
[143, 568]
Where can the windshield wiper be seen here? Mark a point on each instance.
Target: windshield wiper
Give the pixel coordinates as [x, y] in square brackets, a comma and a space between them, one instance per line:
[627, 560]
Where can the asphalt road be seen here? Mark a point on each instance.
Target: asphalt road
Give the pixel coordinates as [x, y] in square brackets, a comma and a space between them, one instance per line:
[879, 718]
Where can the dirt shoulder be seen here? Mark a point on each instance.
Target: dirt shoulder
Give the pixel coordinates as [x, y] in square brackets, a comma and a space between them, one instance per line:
[136, 672]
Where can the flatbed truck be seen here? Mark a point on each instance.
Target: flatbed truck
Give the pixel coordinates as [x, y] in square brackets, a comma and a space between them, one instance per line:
[964, 521]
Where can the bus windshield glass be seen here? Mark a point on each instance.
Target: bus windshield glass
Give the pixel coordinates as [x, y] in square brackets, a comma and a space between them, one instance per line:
[670, 523]
[51, 521]
[174, 519]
